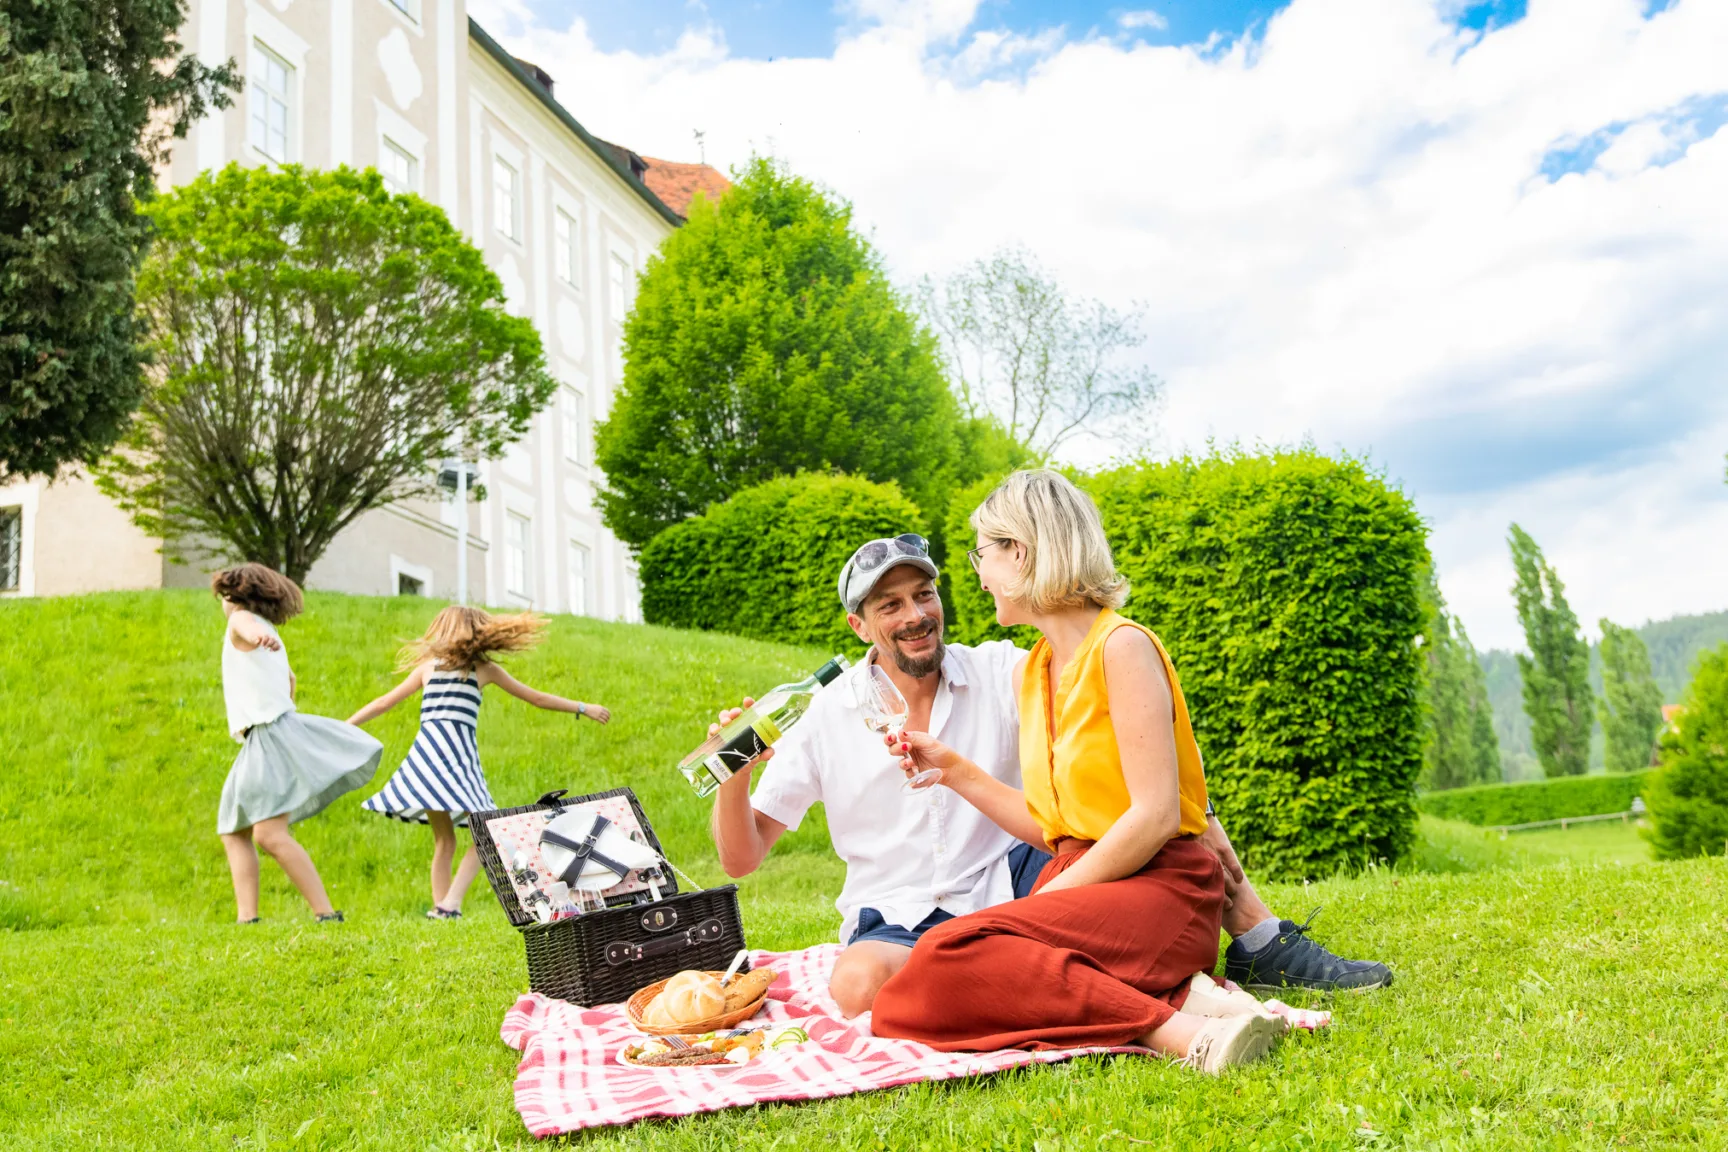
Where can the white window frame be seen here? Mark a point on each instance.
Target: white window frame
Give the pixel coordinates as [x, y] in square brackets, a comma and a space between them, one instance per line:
[567, 246]
[389, 149]
[620, 271]
[581, 564]
[400, 568]
[574, 409]
[519, 584]
[409, 10]
[507, 216]
[259, 98]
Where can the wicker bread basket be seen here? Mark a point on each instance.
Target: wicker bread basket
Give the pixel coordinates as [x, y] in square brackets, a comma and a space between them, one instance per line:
[638, 1004]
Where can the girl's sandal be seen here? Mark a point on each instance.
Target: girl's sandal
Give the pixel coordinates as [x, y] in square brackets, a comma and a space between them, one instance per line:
[437, 913]
[331, 918]
[254, 920]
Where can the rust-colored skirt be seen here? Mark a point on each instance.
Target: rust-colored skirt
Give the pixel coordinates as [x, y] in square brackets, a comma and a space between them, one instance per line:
[1101, 964]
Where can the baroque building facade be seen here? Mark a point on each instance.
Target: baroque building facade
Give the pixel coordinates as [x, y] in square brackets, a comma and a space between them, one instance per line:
[417, 90]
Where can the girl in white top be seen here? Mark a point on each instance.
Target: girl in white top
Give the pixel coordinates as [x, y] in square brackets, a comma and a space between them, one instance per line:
[290, 766]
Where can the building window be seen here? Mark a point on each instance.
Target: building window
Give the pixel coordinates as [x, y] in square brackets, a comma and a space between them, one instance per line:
[408, 8]
[272, 80]
[516, 537]
[566, 254]
[575, 427]
[407, 585]
[580, 562]
[11, 548]
[506, 192]
[619, 296]
[398, 166]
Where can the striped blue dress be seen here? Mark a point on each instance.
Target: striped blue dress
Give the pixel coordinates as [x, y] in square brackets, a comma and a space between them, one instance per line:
[442, 770]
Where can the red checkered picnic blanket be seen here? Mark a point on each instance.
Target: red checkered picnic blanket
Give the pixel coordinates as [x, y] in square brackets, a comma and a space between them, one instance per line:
[569, 1077]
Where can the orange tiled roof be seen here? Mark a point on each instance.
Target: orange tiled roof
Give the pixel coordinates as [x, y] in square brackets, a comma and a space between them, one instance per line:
[676, 184]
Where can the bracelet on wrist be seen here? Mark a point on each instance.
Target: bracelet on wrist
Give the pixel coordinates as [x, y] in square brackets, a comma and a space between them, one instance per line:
[581, 708]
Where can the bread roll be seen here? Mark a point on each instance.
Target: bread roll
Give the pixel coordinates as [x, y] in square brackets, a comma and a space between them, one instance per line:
[747, 987]
[655, 1016]
[692, 996]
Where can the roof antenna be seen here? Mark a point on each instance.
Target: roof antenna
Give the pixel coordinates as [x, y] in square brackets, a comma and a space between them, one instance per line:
[701, 150]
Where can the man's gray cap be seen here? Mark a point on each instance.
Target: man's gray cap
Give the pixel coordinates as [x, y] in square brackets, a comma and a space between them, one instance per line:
[856, 583]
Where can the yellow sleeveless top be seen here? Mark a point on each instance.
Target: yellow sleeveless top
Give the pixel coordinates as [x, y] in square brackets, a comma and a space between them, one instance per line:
[1069, 762]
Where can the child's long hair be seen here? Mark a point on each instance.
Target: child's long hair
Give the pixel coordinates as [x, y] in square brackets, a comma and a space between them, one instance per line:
[461, 639]
[260, 590]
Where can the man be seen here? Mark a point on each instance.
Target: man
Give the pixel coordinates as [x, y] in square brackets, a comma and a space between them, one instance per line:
[917, 858]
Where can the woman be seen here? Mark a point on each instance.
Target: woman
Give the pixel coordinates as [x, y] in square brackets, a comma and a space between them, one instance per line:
[1128, 911]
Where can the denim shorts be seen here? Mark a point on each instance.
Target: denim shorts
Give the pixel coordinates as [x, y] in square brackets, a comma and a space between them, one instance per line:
[1024, 863]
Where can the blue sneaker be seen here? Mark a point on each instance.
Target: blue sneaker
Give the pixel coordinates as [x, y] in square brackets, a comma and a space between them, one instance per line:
[1293, 960]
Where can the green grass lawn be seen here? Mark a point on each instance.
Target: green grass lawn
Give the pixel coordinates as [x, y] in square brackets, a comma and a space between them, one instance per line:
[1553, 990]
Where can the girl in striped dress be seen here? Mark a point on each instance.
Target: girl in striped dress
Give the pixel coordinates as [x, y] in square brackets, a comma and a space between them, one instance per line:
[440, 783]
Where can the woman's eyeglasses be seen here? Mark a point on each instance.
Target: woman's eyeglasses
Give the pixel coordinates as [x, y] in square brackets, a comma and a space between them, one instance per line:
[977, 554]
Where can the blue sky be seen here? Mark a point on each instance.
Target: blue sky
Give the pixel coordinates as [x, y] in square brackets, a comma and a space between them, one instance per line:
[766, 29]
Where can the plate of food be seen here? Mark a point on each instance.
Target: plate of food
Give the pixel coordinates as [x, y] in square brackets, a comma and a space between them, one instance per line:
[731, 1048]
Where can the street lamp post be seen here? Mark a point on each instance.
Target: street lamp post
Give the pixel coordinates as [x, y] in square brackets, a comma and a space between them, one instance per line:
[458, 475]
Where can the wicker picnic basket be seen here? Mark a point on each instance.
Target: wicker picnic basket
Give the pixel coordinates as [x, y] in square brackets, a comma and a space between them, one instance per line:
[603, 957]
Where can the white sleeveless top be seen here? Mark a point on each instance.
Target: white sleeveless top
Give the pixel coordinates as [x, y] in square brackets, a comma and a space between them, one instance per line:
[255, 684]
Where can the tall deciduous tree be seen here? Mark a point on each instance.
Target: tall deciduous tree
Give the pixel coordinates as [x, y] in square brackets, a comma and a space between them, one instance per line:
[1461, 748]
[766, 340]
[1046, 365]
[1556, 673]
[90, 93]
[1631, 705]
[319, 343]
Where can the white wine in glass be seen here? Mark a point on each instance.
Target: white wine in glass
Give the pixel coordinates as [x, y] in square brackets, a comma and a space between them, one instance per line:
[885, 711]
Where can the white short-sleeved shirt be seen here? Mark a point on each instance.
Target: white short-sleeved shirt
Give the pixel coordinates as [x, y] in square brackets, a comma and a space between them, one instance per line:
[906, 853]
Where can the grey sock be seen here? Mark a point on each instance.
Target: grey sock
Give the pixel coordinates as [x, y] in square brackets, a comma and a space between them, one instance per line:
[1260, 935]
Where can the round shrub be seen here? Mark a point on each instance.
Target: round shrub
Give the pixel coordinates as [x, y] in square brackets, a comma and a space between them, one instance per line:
[764, 563]
[1287, 588]
[1687, 796]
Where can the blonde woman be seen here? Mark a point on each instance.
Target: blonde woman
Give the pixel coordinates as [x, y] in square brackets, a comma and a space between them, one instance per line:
[440, 782]
[1106, 949]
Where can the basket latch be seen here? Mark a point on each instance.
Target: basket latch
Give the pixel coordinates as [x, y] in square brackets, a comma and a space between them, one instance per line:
[659, 918]
[626, 952]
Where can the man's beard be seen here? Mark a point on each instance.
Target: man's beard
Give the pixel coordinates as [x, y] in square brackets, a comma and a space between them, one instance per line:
[917, 668]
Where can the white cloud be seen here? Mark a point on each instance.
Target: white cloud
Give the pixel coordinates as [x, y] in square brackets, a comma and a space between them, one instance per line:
[1144, 18]
[1341, 229]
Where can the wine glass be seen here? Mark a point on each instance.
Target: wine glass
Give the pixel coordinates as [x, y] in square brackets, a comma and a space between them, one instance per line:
[885, 710]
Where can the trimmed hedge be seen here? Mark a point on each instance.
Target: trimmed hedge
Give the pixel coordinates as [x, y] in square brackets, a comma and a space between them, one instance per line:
[1287, 588]
[1526, 803]
[764, 563]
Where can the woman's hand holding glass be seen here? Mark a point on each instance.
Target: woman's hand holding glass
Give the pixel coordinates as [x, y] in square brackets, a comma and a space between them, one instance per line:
[926, 761]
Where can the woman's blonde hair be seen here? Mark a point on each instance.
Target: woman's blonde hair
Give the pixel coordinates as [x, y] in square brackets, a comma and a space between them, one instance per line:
[1068, 561]
[461, 639]
[260, 590]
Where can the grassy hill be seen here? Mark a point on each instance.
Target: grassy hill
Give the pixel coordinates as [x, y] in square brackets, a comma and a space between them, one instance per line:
[1548, 993]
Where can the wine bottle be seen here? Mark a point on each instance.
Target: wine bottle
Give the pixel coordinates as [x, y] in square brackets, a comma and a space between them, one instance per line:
[756, 729]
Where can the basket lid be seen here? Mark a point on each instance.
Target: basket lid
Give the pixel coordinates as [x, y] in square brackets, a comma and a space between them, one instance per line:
[497, 873]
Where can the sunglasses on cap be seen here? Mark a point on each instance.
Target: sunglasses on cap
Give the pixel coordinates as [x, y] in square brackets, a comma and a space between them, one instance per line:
[878, 552]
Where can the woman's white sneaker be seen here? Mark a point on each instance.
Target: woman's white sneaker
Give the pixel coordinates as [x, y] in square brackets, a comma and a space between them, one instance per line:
[1228, 1040]
[1208, 998]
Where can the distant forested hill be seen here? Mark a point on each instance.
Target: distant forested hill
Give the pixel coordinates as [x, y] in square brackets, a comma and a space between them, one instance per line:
[1673, 644]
